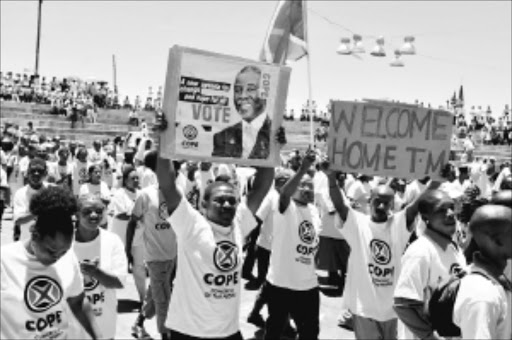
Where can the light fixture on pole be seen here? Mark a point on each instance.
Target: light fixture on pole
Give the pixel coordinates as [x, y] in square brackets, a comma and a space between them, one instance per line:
[408, 46]
[378, 50]
[358, 46]
[344, 48]
[397, 61]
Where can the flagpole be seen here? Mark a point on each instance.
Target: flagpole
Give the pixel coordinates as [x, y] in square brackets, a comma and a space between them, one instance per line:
[38, 38]
[308, 56]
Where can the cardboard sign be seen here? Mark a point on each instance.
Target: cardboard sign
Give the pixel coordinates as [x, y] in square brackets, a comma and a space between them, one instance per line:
[223, 108]
[394, 140]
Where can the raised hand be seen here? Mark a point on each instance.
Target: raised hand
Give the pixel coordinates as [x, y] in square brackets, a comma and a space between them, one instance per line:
[309, 158]
[281, 136]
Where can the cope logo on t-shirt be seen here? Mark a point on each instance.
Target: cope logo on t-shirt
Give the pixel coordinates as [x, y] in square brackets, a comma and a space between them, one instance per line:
[90, 283]
[42, 293]
[82, 174]
[163, 212]
[225, 256]
[455, 269]
[381, 254]
[307, 232]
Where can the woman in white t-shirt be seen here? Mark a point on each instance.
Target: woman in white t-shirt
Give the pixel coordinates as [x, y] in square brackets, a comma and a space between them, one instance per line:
[40, 281]
[292, 284]
[98, 188]
[428, 263]
[122, 205]
[95, 185]
[102, 262]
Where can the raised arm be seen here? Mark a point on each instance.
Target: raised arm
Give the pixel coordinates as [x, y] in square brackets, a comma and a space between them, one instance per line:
[166, 173]
[411, 210]
[336, 197]
[290, 187]
[261, 185]
[263, 178]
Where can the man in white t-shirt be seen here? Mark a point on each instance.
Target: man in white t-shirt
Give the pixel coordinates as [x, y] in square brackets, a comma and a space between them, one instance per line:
[482, 309]
[264, 245]
[96, 155]
[428, 263]
[291, 279]
[150, 212]
[79, 170]
[377, 242]
[36, 173]
[206, 299]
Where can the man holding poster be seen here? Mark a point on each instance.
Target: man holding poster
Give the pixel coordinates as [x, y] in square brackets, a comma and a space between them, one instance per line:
[250, 137]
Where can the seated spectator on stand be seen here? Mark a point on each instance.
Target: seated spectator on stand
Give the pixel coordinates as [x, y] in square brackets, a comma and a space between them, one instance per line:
[126, 103]
[133, 118]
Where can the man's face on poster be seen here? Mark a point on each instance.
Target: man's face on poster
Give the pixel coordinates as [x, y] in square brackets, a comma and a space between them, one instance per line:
[247, 95]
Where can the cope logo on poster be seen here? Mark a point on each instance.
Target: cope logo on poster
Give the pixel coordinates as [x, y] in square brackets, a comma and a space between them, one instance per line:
[190, 133]
[42, 293]
[380, 272]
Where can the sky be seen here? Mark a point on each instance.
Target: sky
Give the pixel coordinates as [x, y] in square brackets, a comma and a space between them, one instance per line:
[458, 43]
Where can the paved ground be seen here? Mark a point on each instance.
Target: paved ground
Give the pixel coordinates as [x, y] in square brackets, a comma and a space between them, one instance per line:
[330, 306]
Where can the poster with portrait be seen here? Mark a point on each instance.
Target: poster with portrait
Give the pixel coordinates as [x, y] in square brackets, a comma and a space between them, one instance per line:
[222, 108]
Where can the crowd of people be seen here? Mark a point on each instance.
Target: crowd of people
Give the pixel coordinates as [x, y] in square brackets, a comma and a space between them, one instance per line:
[85, 218]
[67, 93]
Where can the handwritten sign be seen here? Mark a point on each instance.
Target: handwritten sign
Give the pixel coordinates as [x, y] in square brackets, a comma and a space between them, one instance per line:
[393, 140]
[223, 108]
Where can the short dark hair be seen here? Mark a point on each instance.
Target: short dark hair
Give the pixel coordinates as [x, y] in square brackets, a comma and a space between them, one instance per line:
[217, 184]
[54, 208]
[127, 170]
[150, 159]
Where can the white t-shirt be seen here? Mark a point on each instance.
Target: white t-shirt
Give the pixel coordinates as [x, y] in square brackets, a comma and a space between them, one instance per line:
[96, 157]
[360, 192]
[294, 245]
[206, 297]
[413, 190]
[158, 236]
[374, 263]
[147, 177]
[21, 207]
[123, 202]
[79, 174]
[108, 248]
[100, 190]
[425, 266]
[331, 221]
[34, 296]
[482, 308]
[16, 177]
[265, 214]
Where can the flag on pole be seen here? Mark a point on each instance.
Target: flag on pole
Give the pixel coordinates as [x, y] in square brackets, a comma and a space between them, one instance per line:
[286, 36]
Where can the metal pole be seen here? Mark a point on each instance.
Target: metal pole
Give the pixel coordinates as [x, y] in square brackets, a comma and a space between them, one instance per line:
[114, 73]
[38, 40]
[310, 90]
